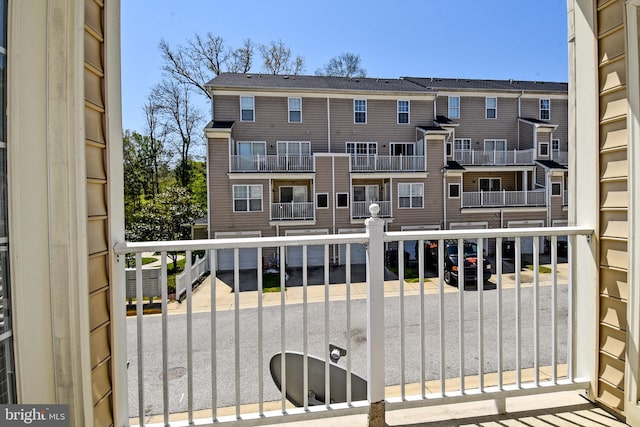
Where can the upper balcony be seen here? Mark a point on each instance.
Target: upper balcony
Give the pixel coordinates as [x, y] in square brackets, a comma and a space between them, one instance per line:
[271, 163]
[293, 211]
[491, 199]
[494, 158]
[385, 163]
[561, 157]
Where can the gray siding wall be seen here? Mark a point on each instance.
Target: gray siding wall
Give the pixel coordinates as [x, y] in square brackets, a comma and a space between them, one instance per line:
[560, 117]
[509, 180]
[526, 131]
[453, 205]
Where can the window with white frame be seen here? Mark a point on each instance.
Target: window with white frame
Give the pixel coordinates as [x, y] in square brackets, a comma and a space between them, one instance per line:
[403, 112]
[454, 107]
[543, 148]
[322, 200]
[462, 144]
[545, 109]
[556, 189]
[247, 198]
[360, 111]
[489, 184]
[252, 148]
[555, 145]
[363, 148]
[454, 191]
[247, 109]
[495, 145]
[449, 149]
[402, 148]
[410, 195]
[491, 107]
[342, 200]
[293, 194]
[295, 110]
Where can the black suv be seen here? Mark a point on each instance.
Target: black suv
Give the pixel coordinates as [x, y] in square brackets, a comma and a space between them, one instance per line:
[470, 263]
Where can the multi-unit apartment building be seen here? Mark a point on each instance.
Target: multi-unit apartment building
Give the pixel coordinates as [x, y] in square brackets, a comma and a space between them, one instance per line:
[291, 155]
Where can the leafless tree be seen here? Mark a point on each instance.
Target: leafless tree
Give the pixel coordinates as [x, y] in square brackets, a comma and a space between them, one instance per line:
[242, 58]
[156, 131]
[344, 65]
[183, 123]
[277, 59]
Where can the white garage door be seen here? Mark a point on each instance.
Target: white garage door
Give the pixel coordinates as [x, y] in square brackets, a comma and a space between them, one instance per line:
[472, 226]
[315, 254]
[526, 243]
[248, 257]
[358, 251]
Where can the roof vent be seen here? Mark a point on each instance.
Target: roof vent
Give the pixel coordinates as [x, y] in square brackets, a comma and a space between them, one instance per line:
[248, 76]
[510, 81]
[285, 77]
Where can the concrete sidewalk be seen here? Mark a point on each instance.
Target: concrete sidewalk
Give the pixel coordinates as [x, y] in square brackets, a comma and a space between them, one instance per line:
[225, 298]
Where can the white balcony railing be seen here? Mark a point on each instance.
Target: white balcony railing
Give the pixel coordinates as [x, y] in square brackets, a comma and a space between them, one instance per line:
[361, 209]
[292, 211]
[478, 199]
[480, 157]
[376, 163]
[561, 157]
[514, 336]
[268, 163]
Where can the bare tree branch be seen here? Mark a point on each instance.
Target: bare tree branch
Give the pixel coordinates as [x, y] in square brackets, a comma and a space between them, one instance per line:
[276, 59]
[242, 58]
[344, 65]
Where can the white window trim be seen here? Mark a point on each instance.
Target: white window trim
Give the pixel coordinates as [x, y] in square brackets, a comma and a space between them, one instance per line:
[336, 201]
[491, 178]
[555, 140]
[253, 102]
[318, 205]
[454, 184]
[486, 107]
[289, 110]
[411, 184]
[413, 144]
[263, 143]
[233, 198]
[540, 145]
[449, 149]
[449, 107]
[462, 141]
[300, 144]
[559, 184]
[306, 192]
[506, 143]
[366, 118]
[540, 109]
[369, 144]
[408, 112]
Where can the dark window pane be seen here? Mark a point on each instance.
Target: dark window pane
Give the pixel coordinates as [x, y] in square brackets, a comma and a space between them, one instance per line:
[240, 205]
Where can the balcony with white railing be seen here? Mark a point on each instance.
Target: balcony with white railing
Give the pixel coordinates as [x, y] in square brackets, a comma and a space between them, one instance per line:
[271, 163]
[561, 157]
[361, 209]
[484, 199]
[512, 336]
[378, 163]
[491, 158]
[292, 211]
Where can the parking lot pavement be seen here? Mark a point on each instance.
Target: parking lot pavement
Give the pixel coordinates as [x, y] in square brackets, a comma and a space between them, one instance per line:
[248, 297]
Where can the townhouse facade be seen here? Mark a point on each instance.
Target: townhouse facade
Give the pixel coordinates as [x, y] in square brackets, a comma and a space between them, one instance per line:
[297, 155]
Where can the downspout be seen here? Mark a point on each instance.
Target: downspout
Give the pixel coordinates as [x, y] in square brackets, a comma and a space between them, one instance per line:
[519, 115]
[444, 199]
[435, 106]
[333, 190]
[548, 198]
[329, 127]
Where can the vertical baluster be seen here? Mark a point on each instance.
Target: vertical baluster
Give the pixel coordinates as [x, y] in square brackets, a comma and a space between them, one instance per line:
[139, 326]
[441, 307]
[187, 273]
[305, 331]
[518, 315]
[536, 311]
[461, 309]
[570, 356]
[480, 283]
[348, 286]
[499, 307]
[422, 318]
[165, 352]
[236, 325]
[401, 308]
[554, 308]
[327, 364]
[260, 337]
[213, 263]
[283, 330]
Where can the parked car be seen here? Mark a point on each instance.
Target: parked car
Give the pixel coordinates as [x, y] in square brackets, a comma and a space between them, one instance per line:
[470, 263]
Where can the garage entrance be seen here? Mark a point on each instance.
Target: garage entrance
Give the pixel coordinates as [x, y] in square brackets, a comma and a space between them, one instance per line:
[315, 254]
[248, 257]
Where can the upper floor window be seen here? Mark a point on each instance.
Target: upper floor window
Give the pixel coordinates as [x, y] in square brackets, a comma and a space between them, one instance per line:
[247, 109]
[360, 111]
[247, 198]
[555, 144]
[362, 147]
[295, 110]
[543, 148]
[403, 111]
[489, 184]
[462, 144]
[454, 107]
[545, 109]
[491, 107]
[411, 195]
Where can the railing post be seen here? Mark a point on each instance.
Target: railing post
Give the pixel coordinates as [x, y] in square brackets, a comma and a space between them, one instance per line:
[375, 317]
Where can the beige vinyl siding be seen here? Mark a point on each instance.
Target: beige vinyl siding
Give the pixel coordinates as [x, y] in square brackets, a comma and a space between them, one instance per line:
[530, 107]
[474, 125]
[381, 126]
[560, 117]
[508, 180]
[323, 184]
[98, 214]
[613, 203]
[453, 205]
[525, 215]
[431, 211]
[525, 136]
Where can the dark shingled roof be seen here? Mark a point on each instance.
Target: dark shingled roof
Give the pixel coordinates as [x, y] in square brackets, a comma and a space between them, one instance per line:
[550, 164]
[201, 221]
[444, 120]
[269, 81]
[453, 165]
[477, 84]
[431, 128]
[219, 125]
[537, 121]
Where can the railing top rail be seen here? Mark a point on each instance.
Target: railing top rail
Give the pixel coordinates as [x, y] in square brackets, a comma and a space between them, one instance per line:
[244, 242]
[393, 236]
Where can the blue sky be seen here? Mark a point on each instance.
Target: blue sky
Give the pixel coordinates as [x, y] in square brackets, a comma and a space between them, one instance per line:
[491, 39]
